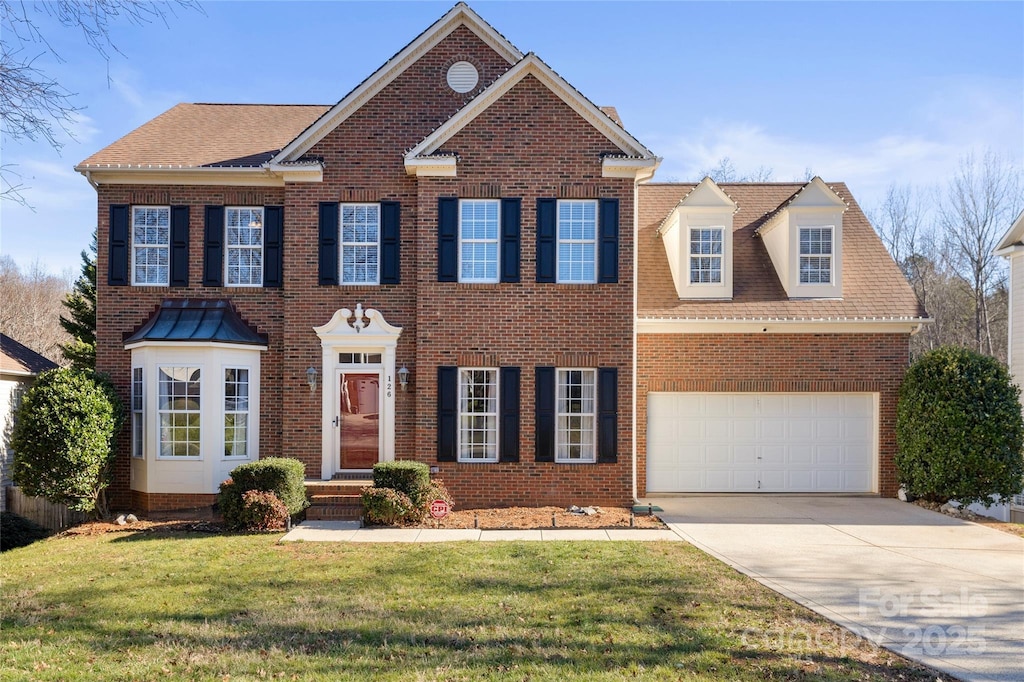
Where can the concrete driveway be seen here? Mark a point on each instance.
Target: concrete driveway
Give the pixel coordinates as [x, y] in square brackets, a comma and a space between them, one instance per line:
[945, 592]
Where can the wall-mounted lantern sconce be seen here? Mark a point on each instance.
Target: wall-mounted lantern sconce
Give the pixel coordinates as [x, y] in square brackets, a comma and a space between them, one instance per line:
[403, 377]
[311, 379]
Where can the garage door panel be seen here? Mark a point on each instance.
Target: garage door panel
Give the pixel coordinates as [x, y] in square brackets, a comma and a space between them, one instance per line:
[721, 442]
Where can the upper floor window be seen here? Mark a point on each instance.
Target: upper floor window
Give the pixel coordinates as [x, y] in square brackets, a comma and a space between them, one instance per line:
[816, 255]
[577, 241]
[244, 266]
[151, 245]
[180, 412]
[478, 240]
[478, 415]
[360, 239]
[576, 405]
[706, 255]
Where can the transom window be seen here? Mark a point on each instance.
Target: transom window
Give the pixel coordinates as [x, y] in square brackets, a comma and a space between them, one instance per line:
[360, 239]
[816, 255]
[137, 412]
[577, 241]
[236, 412]
[359, 358]
[478, 240]
[245, 247]
[576, 405]
[478, 415]
[179, 410]
[151, 245]
[706, 255]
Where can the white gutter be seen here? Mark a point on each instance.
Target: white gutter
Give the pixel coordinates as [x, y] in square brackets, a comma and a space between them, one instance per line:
[853, 325]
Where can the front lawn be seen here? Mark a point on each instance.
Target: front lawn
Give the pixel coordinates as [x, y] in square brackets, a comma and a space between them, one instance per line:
[149, 606]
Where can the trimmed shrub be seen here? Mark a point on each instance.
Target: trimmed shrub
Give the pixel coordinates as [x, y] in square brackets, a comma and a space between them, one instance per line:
[282, 476]
[62, 439]
[386, 506]
[17, 531]
[411, 478]
[262, 511]
[959, 429]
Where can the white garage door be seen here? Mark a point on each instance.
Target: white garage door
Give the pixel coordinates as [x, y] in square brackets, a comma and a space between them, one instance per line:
[767, 442]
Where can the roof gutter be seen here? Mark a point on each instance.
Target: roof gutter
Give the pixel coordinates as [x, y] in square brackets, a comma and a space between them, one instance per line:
[769, 325]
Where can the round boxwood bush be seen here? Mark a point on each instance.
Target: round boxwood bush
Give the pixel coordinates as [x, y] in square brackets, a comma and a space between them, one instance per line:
[282, 476]
[63, 436]
[959, 429]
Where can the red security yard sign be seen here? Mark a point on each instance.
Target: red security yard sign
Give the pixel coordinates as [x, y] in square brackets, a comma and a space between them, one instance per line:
[439, 509]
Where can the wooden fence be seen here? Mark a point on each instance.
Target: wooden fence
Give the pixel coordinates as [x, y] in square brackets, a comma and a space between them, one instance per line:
[43, 512]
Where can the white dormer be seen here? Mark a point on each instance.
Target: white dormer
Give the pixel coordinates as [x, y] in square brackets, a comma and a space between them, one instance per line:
[804, 238]
[698, 242]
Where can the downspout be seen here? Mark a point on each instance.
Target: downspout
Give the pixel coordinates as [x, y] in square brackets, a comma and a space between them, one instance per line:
[640, 177]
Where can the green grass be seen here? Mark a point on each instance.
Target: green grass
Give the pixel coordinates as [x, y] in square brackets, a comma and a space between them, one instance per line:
[149, 606]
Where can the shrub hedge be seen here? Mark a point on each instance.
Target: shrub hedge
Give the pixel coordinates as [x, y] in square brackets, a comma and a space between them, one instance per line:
[401, 492]
[282, 476]
[263, 511]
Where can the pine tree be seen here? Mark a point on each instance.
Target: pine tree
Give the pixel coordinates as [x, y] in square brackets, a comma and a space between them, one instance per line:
[81, 303]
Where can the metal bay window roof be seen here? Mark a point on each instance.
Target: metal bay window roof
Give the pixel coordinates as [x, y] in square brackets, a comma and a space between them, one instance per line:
[197, 321]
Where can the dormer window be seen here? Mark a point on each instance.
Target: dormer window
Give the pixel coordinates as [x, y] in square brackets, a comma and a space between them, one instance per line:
[816, 255]
[706, 247]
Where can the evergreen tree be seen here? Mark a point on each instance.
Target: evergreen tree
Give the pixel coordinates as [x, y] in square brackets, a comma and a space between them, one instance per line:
[81, 304]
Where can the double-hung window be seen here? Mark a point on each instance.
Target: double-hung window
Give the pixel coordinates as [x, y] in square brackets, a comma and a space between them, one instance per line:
[478, 415]
[151, 245]
[478, 240]
[236, 412]
[360, 243]
[179, 409]
[137, 419]
[816, 255]
[706, 255]
[576, 415]
[577, 241]
[244, 266]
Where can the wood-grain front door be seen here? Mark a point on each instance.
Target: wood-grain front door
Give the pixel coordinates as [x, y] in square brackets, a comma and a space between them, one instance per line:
[360, 420]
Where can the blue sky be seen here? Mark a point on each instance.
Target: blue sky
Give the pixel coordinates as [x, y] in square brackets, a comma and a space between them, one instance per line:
[868, 93]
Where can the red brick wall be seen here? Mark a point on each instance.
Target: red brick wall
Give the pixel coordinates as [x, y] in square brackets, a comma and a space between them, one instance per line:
[766, 363]
[153, 502]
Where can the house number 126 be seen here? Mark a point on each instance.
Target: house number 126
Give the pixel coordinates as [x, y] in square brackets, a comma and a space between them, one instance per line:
[388, 387]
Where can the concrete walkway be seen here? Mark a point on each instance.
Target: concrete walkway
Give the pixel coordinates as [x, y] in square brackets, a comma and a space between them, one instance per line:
[938, 590]
[349, 531]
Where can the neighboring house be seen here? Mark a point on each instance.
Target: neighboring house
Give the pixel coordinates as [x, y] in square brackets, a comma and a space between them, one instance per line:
[441, 267]
[19, 366]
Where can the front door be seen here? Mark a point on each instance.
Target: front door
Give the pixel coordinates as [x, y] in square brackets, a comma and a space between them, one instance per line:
[360, 420]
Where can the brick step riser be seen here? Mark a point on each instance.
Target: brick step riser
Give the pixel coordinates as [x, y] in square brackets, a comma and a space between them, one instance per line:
[335, 500]
[334, 513]
[334, 489]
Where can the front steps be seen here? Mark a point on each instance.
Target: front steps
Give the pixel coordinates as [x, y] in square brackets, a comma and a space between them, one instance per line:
[337, 500]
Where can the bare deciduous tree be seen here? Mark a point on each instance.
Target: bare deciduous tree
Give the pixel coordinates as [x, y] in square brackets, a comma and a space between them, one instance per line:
[726, 171]
[32, 301]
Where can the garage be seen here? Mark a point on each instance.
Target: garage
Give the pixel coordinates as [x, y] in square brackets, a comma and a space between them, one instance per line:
[761, 442]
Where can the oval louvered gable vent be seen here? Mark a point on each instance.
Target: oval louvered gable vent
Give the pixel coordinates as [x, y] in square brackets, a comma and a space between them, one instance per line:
[462, 77]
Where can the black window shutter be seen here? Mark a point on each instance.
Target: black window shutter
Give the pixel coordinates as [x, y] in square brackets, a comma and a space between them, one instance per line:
[179, 246]
[547, 246]
[608, 246]
[328, 243]
[390, 217]
[120, 231]
[508, 428]
[544, 414]
[608, 414]
[511, 210]
[213, 247]
[447, 413]
[447, 239]
[273, 246]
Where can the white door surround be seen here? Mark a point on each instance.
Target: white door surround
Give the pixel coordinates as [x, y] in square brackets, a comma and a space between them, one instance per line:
[355, 331]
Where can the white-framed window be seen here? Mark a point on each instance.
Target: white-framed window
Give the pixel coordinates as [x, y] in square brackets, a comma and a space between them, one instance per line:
[236, 412]
[577, 241]
[360, 243]
[137, 419]
[576, 415]
[151, 245]
[478, 415]
[243, 266]
[179, 408]
[816, 255]
[360, 358]
[706, 246]
[478, 240]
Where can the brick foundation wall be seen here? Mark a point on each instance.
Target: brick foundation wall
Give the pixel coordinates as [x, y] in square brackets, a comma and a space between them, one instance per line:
[153, 502]
[766, 363]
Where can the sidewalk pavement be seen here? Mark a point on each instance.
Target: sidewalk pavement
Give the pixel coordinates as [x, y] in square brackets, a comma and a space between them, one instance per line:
[349, 531]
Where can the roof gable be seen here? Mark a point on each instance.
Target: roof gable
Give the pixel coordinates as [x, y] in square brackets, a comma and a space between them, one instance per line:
[16, 358]
[530, 65]
[460, 15]
[1013, 237]
[815, 194]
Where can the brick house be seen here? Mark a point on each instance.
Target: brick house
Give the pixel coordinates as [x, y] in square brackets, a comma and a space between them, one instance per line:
[443, 266]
